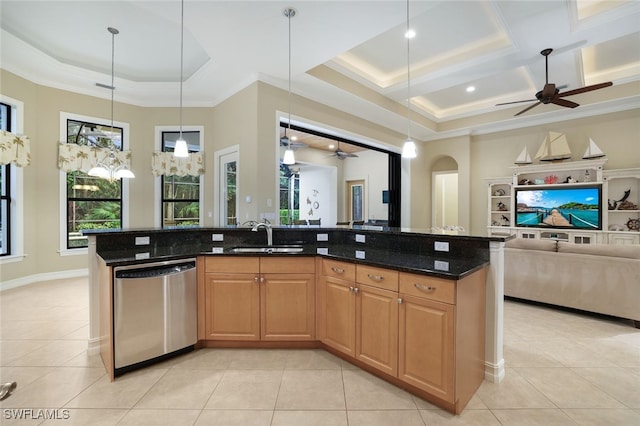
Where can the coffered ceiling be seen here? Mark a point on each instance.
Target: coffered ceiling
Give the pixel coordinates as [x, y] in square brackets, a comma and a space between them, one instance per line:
[350, 55]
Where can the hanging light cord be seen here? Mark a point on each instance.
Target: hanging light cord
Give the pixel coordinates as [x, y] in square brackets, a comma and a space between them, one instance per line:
[113, 32]
[181, 59]
[290, 12]
[408, 77]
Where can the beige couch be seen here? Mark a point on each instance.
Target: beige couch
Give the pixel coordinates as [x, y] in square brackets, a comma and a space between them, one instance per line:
[591, 277]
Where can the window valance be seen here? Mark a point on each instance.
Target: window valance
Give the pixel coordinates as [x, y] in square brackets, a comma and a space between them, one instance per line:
[165, 163]
[14, 149]
[73, 157]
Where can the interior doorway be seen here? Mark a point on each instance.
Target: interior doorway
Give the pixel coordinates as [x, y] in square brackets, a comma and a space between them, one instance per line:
[445, 199]
[355, 201]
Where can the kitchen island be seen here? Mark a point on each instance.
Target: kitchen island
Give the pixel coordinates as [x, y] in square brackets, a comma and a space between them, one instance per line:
[390, 301]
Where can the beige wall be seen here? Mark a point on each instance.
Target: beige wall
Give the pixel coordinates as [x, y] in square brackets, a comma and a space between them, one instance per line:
[249, 119]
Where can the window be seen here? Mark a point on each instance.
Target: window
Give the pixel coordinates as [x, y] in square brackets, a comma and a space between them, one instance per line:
[92, 203]
[5, 188]
[180, 194]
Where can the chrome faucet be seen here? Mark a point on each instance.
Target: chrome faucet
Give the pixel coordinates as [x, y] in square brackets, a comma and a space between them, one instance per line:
[267, 227]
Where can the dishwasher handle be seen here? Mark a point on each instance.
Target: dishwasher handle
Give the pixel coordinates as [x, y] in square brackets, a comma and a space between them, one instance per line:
[155, 271]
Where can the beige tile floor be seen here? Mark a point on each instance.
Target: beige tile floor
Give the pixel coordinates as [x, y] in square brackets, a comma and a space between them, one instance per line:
[562, 369]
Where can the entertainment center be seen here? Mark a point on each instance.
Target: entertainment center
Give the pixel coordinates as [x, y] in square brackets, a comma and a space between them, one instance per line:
[572, 201]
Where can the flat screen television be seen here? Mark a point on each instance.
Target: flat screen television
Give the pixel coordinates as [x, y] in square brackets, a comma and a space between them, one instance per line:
[567, 207]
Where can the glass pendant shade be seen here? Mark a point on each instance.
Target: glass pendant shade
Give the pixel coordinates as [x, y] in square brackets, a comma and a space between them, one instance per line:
[409, 149]
[181, 149]
[99, 172]
[289, 158]
[108, 169]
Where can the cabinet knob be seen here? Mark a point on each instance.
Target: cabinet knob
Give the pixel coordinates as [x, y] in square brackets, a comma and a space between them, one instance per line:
[424, 287]
[400, 300]
[375, 277]
[356, 290]
[261, 279]
[255, 279]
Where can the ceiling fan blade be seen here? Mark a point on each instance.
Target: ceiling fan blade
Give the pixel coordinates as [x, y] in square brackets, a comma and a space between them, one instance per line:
[517, 102]
[528, 108]
[564, 103]
[586, 89]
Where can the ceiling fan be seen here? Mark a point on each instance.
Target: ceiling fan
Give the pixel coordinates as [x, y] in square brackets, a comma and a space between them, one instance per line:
[341, 154]
[550, 94]
[285, 141]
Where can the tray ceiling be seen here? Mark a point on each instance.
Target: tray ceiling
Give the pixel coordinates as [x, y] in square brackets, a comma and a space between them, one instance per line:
[349, 55]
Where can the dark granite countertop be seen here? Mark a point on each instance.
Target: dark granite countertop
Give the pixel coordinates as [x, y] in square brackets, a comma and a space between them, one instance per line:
[402, 251]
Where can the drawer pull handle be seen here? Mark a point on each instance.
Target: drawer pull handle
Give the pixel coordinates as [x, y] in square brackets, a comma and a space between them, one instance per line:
[424, 287]
[375, 277]
[337, 270]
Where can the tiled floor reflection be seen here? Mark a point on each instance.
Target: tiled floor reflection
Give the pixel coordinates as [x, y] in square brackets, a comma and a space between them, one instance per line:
[563, 368]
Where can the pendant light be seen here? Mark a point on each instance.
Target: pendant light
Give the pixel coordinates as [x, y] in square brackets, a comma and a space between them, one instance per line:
[181, 149]
[409, 147]
[289, 157]
[109, 168]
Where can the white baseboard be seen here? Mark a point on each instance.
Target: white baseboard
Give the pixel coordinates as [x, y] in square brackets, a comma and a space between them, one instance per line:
[494, 373]
[47, 276]
[93, 346]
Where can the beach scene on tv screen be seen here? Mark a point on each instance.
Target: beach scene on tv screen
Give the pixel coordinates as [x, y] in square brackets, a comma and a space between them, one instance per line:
[559, 208]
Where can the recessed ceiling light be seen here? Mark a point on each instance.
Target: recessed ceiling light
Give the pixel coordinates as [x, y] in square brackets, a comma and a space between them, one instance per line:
[294, 138]
[410, 33]
[331, 146]
[471, 89]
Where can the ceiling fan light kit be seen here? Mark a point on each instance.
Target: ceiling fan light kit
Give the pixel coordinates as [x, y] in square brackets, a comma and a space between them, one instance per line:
[550, 94]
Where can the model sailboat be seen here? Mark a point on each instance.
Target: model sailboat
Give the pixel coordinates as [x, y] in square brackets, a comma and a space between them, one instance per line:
[592, 151]
[524, 157]
[554, 148]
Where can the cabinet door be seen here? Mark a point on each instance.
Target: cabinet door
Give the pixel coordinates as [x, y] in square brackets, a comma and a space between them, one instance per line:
[426, 345]
[377, 328]
[287, 306]
[232, 306]
[338, 316]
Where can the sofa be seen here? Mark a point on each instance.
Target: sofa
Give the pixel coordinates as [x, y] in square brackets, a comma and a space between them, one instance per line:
[597, 278]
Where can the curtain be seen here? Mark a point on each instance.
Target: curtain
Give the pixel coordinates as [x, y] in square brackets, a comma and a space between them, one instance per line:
[73, 157]
[14, 149]
[164, 163]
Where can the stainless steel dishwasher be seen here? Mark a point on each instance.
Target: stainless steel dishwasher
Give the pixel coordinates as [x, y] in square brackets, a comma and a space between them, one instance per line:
[154, 311]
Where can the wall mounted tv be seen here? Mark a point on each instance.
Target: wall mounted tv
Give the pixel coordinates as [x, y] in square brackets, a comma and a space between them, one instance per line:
[568, 207]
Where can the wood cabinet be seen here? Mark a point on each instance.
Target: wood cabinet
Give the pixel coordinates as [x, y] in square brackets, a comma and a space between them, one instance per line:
[441, 335]
[259, 298]
[360, 320]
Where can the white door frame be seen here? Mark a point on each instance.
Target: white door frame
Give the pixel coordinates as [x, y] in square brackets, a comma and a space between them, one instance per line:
[222, 157]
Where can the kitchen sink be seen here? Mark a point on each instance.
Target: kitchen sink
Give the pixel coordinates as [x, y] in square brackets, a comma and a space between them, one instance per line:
[268, 249]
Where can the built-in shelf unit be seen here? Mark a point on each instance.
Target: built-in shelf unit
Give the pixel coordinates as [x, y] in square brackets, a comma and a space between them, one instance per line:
[619, 218]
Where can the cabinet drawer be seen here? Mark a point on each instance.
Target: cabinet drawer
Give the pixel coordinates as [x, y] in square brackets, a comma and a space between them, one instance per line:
[287, 265]
[232, 264]
[343, 270]
[377, 277]
[427, 287]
